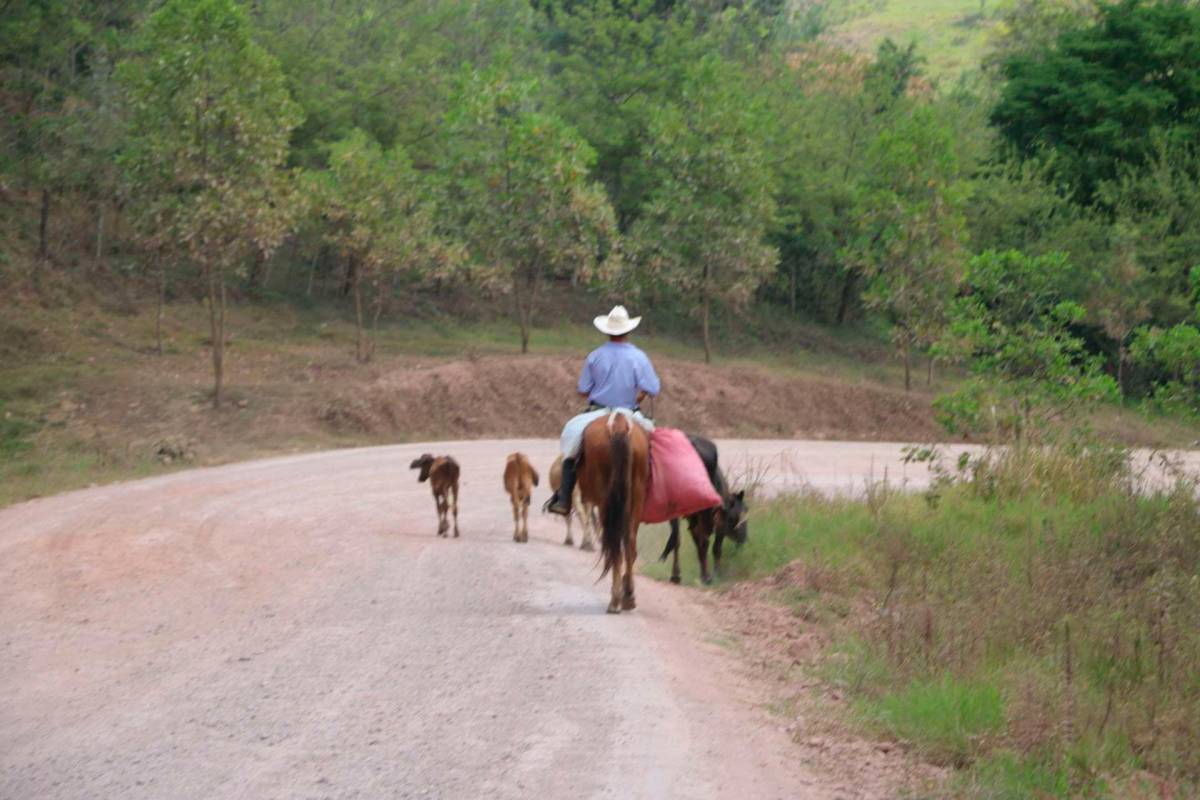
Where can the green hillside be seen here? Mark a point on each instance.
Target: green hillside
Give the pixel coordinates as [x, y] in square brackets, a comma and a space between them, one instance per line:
[951, 34]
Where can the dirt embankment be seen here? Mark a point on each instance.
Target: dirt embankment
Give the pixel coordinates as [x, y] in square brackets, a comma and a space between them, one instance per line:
[531, 396]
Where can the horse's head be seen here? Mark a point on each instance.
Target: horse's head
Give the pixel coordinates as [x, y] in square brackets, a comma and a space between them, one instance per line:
[733, 513]
[424, 463]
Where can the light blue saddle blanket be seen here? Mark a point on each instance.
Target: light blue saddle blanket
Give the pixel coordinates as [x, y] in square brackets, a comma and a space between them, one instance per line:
[572, 434]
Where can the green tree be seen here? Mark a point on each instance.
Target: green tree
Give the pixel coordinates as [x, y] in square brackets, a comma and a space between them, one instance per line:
[1174, 354]
[209, 127]
[1099, 96]
[1028, 26]
[828, 109]
[910, 244]
[382, 223]
[386, 68]
[518, 187]
[614, 64]
[703, 232]
[1155, 208]
[1012, 326]
[61, 111]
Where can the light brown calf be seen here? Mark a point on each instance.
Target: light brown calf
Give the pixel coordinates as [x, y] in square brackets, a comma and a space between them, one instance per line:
[586, 512]
[519, 479]
[442, 474]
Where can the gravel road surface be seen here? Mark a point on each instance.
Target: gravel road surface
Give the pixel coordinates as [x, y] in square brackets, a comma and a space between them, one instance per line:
[292, 628]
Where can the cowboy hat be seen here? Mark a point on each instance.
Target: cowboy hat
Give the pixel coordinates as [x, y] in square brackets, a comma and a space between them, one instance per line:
[617, 322]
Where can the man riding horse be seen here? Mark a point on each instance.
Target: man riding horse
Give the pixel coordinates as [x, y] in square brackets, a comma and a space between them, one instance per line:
[616, 376]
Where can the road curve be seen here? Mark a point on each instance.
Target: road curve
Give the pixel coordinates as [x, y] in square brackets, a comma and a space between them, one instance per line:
[292, 628]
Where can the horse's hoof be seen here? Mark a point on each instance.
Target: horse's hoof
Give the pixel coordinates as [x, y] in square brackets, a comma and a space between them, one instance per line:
[569, 543]
[707, 580]
[613, 608]
[628, 603]
[587, 547]
[675, 579]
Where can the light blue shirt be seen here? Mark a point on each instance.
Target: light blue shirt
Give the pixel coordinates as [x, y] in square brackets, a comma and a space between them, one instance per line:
[614, 373]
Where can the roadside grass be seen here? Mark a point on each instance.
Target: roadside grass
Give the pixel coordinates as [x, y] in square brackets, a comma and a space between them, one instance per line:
[947, 716]
[1033, 622]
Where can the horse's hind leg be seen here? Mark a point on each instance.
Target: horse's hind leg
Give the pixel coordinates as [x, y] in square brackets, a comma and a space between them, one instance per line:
[516, 518]
[570, 539]
[614, 604]
[587, 518]
[628, 603]
[455, 507]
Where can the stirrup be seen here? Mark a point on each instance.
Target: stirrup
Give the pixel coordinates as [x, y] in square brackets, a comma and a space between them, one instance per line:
[553, 506]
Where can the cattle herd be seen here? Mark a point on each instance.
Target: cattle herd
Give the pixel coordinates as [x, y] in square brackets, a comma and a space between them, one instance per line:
[727, 520]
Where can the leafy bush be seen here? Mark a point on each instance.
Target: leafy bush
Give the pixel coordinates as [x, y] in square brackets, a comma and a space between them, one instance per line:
[1012, 327]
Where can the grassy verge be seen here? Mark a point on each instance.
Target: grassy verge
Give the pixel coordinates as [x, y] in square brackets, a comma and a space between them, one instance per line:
[1034, 623]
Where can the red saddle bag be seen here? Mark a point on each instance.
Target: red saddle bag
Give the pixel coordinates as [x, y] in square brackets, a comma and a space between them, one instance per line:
[679, 483]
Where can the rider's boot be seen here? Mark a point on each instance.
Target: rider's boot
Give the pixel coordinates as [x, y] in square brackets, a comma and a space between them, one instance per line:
[560, 501]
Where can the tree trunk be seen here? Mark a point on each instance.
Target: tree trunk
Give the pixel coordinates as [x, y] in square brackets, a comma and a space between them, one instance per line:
[379, 298]
[1121, 353]
[162, 299]
[929, 374]
[707, 344]
[792, 294]
[847, 296]
[255, 279]
[99, 230]
[907, 366]
[312, 274]
[359, 344]
[351, 277]
[525, 302]
[216, 321]
[43, 248]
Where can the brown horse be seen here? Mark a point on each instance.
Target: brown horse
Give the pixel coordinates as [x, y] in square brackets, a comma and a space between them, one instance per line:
[613, 474]
[584, 512]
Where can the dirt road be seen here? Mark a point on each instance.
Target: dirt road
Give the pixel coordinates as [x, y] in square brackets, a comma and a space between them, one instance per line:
[292, 628]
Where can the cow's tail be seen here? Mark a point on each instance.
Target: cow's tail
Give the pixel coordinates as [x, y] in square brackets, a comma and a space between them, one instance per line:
[616, 504]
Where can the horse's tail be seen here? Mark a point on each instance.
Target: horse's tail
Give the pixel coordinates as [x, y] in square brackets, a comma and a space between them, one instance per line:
[616, 504]
[672, 541]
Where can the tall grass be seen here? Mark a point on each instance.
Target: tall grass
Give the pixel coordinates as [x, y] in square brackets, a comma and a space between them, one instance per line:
[1033, 619]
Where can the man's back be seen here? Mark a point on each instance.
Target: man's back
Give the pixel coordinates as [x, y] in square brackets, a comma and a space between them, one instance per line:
[615, 373]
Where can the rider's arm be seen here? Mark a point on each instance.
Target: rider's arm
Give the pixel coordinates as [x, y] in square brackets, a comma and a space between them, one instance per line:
[586, 381]
[647, 378]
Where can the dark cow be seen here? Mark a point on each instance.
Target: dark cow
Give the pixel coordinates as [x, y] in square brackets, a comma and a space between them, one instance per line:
[729, 519]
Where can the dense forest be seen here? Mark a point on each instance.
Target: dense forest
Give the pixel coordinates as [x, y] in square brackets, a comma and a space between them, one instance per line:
[1038, 219]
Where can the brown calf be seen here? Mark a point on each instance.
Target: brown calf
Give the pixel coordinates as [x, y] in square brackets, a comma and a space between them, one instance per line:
[442, 474]
[586, 512]
[519, 479]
